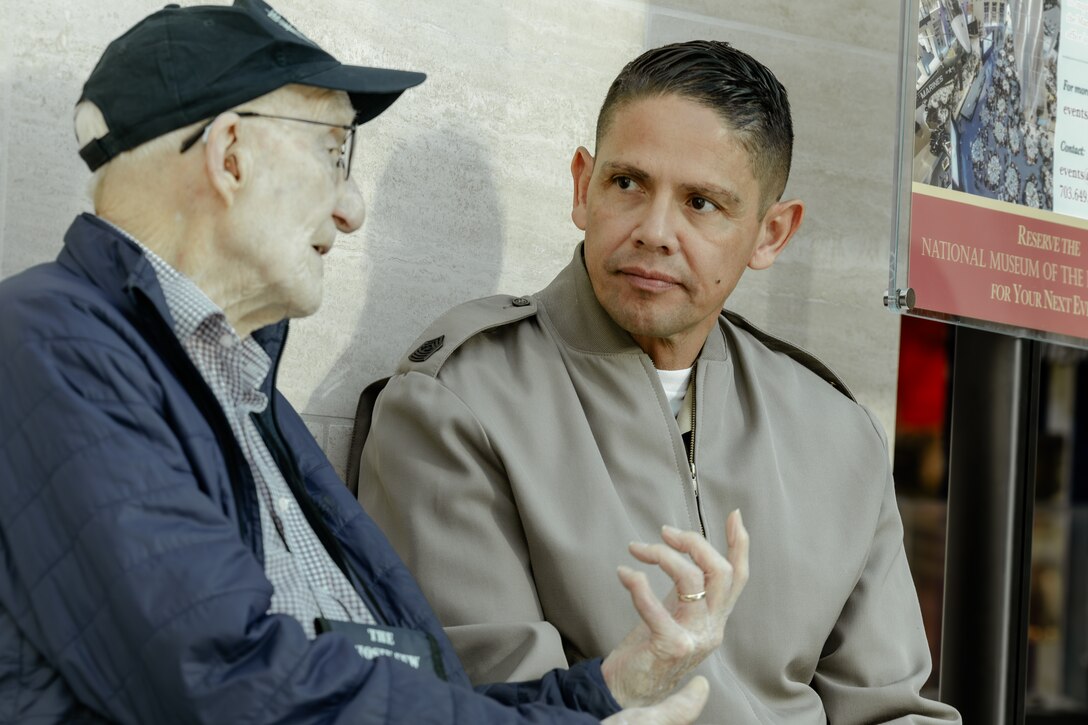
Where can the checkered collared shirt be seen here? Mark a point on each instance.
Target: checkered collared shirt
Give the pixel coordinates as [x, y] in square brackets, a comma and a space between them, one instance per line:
[306, 582]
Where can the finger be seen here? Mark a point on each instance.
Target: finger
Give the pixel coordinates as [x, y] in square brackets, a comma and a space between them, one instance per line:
[738, 555]
[684, 706]
[716, 570]
[649, 607]
[686, 575]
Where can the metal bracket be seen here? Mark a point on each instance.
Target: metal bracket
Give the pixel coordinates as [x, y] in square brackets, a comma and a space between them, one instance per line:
[904, 299]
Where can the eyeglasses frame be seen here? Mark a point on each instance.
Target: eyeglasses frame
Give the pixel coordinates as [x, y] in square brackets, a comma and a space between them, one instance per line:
[347, 149]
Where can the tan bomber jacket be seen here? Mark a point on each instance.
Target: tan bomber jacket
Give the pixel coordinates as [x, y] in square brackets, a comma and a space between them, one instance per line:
[525, 441]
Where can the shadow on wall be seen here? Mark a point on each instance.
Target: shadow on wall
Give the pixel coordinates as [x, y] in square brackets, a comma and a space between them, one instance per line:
[433, 239]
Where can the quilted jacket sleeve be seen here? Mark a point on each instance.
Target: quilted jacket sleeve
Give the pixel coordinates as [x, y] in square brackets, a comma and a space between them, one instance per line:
[133, 585]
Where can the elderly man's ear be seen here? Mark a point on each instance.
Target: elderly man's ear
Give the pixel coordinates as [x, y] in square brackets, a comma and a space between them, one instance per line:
[224, 161]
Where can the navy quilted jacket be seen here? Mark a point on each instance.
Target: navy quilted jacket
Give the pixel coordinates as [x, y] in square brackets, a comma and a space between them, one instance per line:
[131, 587]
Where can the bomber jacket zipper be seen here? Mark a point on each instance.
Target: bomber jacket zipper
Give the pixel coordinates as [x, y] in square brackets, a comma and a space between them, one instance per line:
[691, 454]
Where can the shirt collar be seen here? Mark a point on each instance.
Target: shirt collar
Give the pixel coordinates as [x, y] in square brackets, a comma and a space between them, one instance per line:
[198, 319]
[188, 304]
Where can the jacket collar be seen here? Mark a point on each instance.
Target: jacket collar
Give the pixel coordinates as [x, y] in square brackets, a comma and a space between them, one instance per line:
[94, 249]
[572, 307]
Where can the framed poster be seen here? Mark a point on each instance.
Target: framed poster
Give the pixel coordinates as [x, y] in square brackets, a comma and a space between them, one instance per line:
[992, 192]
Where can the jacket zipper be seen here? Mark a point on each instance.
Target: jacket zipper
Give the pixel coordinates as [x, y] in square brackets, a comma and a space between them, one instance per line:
[273, 438]
[162, 338]
[691, 454]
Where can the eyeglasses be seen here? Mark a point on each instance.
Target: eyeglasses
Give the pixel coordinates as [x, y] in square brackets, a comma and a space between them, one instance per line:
[347, 148]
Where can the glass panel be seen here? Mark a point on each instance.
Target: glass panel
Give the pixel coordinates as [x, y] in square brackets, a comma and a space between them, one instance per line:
[1057, 681]
[921, 466]
[1057, 677]
[992, 192]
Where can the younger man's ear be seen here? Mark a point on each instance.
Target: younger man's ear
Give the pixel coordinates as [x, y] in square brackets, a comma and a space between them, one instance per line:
[778, 226]
[581, 169]
[222, 158]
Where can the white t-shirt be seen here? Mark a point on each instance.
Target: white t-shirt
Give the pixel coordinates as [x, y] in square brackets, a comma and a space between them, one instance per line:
[675, 383]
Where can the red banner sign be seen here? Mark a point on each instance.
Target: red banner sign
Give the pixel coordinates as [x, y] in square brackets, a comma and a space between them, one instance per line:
[990, 260]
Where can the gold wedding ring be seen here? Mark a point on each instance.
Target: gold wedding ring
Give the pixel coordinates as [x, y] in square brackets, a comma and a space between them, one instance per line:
[692, 597]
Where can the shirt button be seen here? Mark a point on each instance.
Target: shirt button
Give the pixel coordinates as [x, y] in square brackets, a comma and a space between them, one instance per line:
[520, 302]
[283, 503]
[226, 340]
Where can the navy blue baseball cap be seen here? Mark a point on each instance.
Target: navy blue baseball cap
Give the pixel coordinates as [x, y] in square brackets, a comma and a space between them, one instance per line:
[183, 65]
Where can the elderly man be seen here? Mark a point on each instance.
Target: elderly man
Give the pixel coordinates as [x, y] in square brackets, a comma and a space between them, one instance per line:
[176, 547]
[551, 430]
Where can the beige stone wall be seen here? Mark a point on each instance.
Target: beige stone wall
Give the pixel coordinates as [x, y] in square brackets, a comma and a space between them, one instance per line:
[467, 179]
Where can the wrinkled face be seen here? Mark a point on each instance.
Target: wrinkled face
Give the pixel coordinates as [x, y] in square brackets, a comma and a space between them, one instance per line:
[296, 198]
[671, 214]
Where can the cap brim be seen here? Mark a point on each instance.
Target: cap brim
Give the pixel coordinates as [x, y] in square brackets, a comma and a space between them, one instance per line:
[372, 90]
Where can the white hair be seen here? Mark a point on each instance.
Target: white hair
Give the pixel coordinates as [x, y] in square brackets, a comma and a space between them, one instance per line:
[90, 124]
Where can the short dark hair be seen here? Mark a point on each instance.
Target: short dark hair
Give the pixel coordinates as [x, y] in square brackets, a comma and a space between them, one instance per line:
[741, 90]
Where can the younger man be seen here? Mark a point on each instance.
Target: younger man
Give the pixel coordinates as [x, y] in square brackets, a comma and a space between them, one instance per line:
[551, 430]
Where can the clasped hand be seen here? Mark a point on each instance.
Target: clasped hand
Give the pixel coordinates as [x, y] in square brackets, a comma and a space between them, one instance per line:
[675, 633]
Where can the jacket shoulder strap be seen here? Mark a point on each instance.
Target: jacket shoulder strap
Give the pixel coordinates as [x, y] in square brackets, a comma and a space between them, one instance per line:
[453, 329]
[799, 355]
